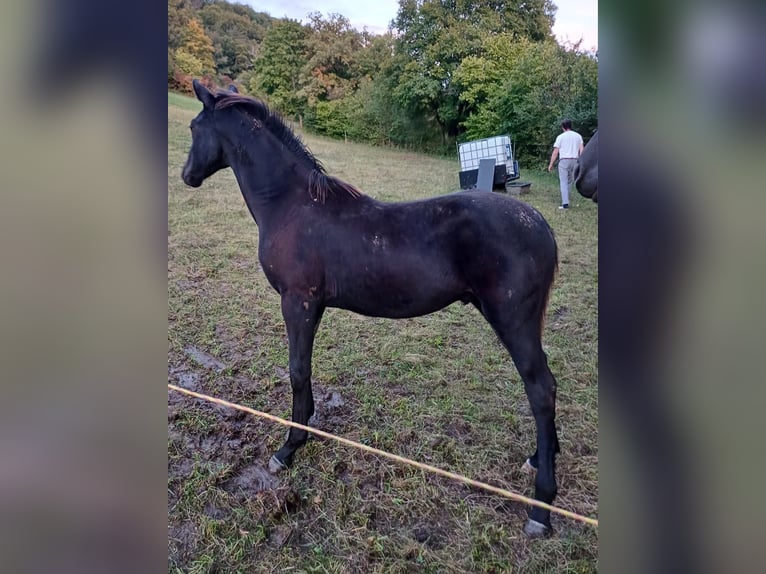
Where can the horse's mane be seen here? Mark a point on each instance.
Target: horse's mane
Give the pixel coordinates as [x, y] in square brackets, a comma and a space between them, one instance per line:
[319, 182]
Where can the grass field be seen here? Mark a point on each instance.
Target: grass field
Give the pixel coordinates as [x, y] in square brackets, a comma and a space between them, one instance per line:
[440, 389]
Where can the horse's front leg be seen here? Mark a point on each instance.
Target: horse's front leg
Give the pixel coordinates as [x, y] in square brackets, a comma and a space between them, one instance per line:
[302, 316]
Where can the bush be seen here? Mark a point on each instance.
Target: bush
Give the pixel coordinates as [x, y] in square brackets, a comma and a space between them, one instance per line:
[187, 63]
[331, 118]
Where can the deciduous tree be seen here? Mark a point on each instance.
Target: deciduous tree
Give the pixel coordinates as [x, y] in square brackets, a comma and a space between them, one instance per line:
[279, 67]
[197, 44]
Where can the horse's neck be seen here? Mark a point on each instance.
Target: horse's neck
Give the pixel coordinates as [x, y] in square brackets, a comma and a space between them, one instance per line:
[268, 187]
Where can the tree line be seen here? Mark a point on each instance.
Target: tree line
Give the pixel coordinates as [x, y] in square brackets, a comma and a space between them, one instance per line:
[446, 71]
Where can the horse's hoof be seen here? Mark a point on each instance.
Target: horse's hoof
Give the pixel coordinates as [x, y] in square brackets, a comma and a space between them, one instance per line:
[276, 466]
[528, 468]
[535, 529]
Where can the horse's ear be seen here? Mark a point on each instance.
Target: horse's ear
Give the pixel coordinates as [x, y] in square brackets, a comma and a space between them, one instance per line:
[233, 89]
[203, 95]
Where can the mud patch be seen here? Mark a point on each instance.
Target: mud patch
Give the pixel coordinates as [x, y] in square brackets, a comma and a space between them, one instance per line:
[370, 487]
[182, 540]
[333, 401]
[184, 377]
[330, 411]
[407, 437]
[432, 537]
[204, 359]
[251, 480]
[215, 512]
[188, 380]
[238, 346]
[460, 430]
[279, 536]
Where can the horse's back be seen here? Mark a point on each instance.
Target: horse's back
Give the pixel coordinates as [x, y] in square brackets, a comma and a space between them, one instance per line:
[489, 239]
[473, 224]
[492, 211]
[502, 224]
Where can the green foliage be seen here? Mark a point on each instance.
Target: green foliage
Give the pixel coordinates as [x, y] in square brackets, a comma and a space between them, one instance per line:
[188, 63]
[375, 54]
[448, 71]
[525, 88]
[370, 120]
[331, 118]
[436, 37]
[236, 31]
[278, 73]
[332, 70]
[178, 16]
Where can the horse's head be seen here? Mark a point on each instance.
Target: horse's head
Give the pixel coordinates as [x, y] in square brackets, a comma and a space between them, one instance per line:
[586, 172]
[206, 154]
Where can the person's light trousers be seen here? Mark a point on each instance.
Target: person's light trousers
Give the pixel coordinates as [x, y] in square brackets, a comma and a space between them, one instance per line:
[566, 178]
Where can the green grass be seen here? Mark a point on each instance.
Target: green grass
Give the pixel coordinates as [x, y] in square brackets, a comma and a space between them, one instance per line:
[183, 102]
[439, 389]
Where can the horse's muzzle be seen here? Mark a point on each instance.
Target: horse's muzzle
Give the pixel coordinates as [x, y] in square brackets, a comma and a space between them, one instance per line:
[190, 179]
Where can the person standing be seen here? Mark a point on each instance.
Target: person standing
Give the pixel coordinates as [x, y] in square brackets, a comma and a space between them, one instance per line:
[567, 148]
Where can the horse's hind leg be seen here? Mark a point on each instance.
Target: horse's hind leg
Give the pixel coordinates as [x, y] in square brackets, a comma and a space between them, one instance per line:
[302, 318]
[530, 465]
[522, 339]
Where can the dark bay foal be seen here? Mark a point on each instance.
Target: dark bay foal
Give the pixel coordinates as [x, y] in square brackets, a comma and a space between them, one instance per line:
[322, 243]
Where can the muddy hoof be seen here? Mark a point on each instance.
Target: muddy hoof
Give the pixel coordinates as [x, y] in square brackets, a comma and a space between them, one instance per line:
[276, 466]
[528, 468]
[535, 529]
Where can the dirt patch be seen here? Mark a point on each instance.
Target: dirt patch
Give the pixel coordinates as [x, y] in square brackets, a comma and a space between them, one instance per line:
[333, 401]
[251, 480]
[182, 540]
[215, 511]
[370, 486]
[204, 359]
[559, 317]
[331, 413]
[238, 346]
[401, 391]
[282, 374]
[184, 377]
[431, 536]
[279, 536]
[460, 430]
[188, 380]
[407, 437]
[342, 473]
[246, 263]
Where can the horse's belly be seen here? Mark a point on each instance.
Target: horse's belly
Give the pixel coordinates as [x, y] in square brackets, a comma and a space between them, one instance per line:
[394, 308]
[396, 299]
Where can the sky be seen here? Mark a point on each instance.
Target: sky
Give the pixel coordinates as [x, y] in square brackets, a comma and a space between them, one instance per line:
[575, 19]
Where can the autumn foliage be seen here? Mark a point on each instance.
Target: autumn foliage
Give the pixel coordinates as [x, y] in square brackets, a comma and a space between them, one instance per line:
[445, 72]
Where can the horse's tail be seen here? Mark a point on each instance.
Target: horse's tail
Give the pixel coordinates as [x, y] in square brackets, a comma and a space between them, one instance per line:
[550, 280]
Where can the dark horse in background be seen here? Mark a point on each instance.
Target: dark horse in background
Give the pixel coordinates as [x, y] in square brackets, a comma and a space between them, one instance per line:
[586, 172]
[325, 244]
[640, 271]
